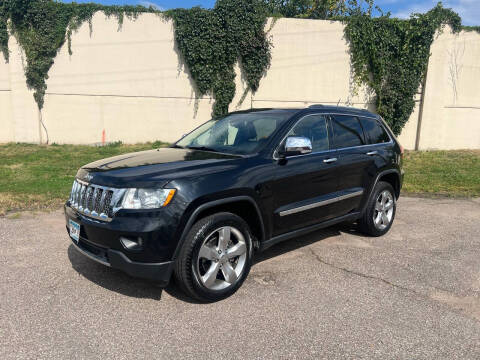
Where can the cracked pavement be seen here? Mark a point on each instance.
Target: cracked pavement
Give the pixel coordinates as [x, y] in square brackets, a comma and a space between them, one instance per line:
[414, 293]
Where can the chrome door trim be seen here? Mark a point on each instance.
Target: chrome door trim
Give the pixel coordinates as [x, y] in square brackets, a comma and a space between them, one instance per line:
[320, 203]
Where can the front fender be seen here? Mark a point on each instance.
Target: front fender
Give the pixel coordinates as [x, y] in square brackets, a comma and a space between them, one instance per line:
[196, 208]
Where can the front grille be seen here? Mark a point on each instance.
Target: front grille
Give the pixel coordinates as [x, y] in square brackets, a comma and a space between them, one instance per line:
[98, 202]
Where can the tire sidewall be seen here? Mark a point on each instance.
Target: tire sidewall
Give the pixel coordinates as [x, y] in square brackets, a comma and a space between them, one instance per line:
[211, 224]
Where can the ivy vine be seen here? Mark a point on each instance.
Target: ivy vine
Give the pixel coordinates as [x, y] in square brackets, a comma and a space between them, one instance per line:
[391, 57]
[41, 28]
[471, 28]
[4, 30]
[212, 41]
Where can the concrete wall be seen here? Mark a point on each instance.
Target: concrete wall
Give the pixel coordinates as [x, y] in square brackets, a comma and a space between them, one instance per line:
[451, 113]
[132, 84]
[6, 123]
[18, 112]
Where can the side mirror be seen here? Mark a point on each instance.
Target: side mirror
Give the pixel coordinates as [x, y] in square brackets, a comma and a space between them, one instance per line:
[297, 145]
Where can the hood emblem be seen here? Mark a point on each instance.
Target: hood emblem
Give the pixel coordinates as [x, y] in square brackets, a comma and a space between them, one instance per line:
[88, 177]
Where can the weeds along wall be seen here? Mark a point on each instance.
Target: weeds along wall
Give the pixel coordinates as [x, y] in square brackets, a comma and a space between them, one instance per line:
[134, 84]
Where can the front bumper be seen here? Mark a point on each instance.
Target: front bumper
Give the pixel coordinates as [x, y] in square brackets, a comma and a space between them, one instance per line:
[100, 242]
[159, 272]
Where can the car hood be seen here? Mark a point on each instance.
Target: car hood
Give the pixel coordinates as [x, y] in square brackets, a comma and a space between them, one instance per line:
[155, 167]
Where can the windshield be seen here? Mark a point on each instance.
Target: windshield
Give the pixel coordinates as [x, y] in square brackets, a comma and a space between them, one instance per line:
[241, 134]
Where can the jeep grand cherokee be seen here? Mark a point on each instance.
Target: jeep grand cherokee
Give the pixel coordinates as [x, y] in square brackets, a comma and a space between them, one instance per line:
[201, 208]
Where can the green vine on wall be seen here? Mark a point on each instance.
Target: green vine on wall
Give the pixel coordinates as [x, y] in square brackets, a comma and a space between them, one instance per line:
[391, 57]
[212, 41]
[471, 28]
[41, 28]
[388, 55]
[4, 30]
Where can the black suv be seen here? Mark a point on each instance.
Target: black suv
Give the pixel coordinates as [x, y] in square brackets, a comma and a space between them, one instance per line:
[200, 208]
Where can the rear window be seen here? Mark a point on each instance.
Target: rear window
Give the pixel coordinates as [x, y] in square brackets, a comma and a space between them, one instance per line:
[347, 131]
[374, 132]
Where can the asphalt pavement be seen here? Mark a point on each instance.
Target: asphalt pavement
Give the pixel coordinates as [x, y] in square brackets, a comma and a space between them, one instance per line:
[411, 294]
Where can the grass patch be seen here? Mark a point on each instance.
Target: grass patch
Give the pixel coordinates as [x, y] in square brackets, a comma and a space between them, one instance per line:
[39, 176]
[442, 173]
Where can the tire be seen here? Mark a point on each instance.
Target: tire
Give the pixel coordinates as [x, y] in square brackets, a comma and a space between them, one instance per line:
[213, 247]
[373, 222]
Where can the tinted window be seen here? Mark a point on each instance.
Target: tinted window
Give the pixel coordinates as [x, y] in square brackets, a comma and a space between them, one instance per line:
[241, 133]
[313, 127]
[374, 131]
[347, 131]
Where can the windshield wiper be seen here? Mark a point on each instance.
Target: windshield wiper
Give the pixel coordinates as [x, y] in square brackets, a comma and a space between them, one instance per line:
[203, 148]
[175, 146]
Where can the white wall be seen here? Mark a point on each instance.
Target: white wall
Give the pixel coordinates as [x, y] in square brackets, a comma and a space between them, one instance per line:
[6, 123]
[451, 115]
[132, 84]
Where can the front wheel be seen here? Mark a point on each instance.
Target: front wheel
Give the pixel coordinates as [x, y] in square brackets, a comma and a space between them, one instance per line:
[215, 258]
[378, 216]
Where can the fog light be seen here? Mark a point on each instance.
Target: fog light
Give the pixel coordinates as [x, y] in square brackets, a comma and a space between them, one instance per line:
[132, 243]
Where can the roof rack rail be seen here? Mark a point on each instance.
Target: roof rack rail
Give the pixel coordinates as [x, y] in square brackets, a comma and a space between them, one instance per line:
[320, 106]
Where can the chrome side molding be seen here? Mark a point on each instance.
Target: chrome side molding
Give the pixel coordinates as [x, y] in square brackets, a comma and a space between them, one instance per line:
[320, 203]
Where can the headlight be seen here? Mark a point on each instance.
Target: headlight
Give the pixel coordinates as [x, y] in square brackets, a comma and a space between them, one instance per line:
[147, 198]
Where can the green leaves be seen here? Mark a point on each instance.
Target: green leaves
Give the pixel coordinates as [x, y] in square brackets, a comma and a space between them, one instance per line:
[391, 57]
[4, 31]
[41, 27]
[212, 41]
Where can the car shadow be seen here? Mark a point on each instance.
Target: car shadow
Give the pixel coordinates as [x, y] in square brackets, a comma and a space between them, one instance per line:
[120, 282]
[117, 281]
[112, 279]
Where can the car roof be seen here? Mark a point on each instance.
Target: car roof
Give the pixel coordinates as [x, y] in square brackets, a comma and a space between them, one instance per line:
[343, 109]
[268, 111]
[319, 107]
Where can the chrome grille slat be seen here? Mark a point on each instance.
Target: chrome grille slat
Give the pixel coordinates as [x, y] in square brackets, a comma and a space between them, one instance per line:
[83, 201]
[87, 199]
[101, 209]
[107, 207]
[95, 201]
[74, 190]
[77, 194]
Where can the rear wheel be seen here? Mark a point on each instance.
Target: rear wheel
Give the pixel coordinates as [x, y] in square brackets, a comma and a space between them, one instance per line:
[380, 211]
[215, 258]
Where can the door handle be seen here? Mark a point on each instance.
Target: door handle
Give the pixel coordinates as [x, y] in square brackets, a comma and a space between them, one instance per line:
[331, 160]
[371, 153]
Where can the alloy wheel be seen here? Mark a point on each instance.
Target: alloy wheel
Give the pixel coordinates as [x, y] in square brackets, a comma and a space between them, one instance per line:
[383, 213]
[222, 257]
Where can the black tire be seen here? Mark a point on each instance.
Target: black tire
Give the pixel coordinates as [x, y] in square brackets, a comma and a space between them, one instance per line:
[366, 223]
[187, 273]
